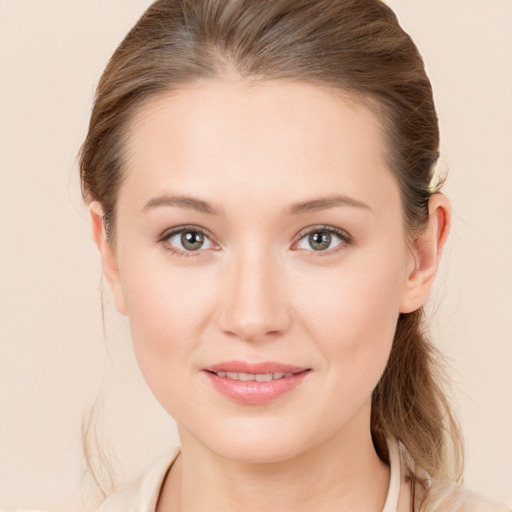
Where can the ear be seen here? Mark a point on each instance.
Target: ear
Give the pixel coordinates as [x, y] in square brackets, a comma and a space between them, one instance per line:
[426, 252]
[107, 254]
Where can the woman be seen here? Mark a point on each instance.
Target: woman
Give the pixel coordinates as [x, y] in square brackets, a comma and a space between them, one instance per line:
[260, 182]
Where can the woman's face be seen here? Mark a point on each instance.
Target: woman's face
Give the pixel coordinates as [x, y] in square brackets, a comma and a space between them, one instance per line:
[260, 230]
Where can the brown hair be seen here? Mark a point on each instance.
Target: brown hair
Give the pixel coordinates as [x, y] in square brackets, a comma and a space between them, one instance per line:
[354, 46]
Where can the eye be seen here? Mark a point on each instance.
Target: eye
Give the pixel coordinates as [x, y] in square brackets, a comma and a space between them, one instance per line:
[323, 239]
[187, 240]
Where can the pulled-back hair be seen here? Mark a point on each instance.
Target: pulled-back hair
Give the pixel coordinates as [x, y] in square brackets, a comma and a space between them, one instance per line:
[351, 46]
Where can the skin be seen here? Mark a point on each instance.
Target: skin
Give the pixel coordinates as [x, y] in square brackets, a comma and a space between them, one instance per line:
[258, 291]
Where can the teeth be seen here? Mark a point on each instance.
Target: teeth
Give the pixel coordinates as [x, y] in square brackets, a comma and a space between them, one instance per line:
[259, 377]
[263, 377]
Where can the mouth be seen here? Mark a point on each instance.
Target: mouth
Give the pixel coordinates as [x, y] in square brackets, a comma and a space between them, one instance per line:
[255, 368]
[255, 383]
[258, 377]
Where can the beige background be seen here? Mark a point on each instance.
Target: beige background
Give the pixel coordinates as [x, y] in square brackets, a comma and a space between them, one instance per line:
[54, 357]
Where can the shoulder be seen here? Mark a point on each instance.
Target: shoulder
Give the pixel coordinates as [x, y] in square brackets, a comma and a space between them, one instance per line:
[452, 497]
[142, 494]
[442, 495]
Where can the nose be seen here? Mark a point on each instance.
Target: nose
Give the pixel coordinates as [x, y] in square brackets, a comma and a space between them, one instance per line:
[254, 305]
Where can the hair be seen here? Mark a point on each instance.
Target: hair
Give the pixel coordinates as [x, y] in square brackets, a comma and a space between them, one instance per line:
[351, 46]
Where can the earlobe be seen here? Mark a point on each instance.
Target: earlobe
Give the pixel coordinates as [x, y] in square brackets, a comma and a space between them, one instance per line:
[426, 252]
[107, 254]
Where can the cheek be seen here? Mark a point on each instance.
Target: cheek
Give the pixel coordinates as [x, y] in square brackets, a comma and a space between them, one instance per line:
[167, 308]
[351, 313]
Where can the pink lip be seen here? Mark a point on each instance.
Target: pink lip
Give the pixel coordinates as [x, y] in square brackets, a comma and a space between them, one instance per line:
[263, 367]
[254, 392]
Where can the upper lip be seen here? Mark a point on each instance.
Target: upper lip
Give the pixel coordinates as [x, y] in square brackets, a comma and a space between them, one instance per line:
[255, 368]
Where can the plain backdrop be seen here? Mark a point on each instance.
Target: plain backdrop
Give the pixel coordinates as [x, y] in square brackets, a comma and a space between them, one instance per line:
[55, 357]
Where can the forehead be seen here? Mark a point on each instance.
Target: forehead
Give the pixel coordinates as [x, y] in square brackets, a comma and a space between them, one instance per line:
[241, 140]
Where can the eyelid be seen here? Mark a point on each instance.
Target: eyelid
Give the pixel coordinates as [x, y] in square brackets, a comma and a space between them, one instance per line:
[168, 233]
[343, 235]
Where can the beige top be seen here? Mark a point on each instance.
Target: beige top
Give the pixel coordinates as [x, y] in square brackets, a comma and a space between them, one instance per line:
[142, 495]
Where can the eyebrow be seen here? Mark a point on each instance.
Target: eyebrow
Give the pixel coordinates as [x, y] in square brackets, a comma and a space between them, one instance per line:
[190, 203]
[321, 203]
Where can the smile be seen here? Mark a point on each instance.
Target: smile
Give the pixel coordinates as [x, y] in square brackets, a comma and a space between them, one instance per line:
[255, 383]
[259, 377]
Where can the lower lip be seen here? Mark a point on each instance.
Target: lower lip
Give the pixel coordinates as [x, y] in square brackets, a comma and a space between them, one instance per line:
[254, 392]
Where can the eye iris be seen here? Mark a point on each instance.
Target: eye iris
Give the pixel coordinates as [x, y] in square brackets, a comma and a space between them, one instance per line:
[192, 240]
[320, 240]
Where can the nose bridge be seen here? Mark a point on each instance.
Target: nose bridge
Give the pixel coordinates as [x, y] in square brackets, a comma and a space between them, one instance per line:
[253, 305]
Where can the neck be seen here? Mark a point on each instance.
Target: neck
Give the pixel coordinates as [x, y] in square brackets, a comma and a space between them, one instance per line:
[343, 473]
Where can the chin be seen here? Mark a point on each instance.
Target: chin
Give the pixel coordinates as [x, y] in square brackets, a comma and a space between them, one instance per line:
[255, 440]
[257, 451]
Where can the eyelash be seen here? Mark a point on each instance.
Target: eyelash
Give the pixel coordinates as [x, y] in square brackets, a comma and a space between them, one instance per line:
[164, 239]
[344, 237]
